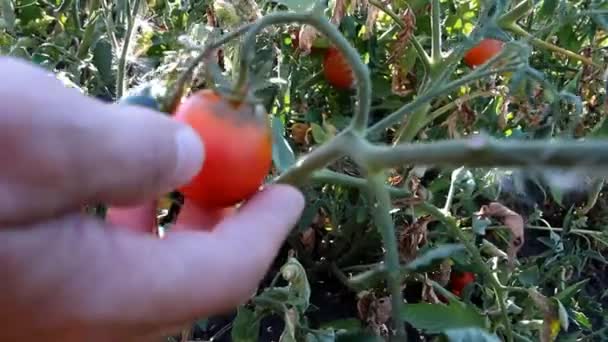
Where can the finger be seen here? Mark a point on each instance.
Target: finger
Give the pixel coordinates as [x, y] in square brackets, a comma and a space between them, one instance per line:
[98, 278]
[191, 217]
[139, 219]
[64, 149]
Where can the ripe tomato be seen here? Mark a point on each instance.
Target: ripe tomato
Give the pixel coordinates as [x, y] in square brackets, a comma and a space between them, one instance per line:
[238, 148]
[336, 69]
[482, 52]
[458, 281]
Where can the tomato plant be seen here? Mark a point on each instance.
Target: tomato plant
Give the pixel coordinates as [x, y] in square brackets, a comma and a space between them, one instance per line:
[482, 52]
[336, 69]
[376, 159]
[238, 148]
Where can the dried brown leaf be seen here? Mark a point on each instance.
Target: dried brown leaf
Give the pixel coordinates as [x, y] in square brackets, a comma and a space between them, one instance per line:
[375, 312]
[428, 292]
[370, 21]
[403, 37]
[306, 38]
[339, 11]
[551, 323]
[452, 125]
[299, 131]
[512, 220]
[308, 239]
[413, 237]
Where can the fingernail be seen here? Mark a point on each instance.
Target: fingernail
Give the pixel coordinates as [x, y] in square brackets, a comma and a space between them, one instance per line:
[190, 155]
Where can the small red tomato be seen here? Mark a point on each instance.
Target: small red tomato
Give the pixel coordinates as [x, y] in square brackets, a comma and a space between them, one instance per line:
[459, 280]
[336, 69]
[238, 148]
[482, 52]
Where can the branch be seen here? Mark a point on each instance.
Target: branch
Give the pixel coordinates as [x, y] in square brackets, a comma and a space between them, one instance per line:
[424, 57]
[171, 102]
[317, 159]
[483, 151]
[318, 21]
[331, 177]
[122, 62]
[435, 32]
[384, 222]
[434, 92]
[518, 30]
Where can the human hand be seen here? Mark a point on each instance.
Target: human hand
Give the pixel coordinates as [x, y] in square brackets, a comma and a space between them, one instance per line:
[69, 277]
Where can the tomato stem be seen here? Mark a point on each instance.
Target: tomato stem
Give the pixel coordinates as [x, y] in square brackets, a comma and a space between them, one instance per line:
[122, 61]
[518, 30]
[424, 57]
[516, 13]
[177, 92]
[482, 151]
[361, 72]
[436, 28]
[384, 221]
[432, 93]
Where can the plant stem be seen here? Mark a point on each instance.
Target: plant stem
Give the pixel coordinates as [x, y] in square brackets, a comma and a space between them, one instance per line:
[518, 30]
[518, 11]
[331, 177]
[109, 22]
[424, 57]
[554, 229]
[319, 22]
[456, 103]
[483, 151]
[315, 160]
[122, 62]
[178, 89]
[386, 227]
[435, 33]
[434, 92]
[457, 233]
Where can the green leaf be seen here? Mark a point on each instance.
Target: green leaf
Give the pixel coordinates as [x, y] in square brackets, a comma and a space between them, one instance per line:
[318, 133]
[582, 319]
[102, 59]
[480, 225]
[438, 318]
[570, 291]
[7, 12]
[246, 326]
[439, 252]
[548, 8]
[529, 276]
[562, 314]
[282, 154]
[349, 324]
[470, 334]
[358, 337]
[297, 5]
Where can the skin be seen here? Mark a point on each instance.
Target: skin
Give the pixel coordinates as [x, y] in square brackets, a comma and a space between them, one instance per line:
[70, 277]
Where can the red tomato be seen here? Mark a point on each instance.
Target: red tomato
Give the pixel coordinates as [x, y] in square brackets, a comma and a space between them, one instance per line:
[336, 69]
[238, 149]
[459, 280]
[481, 53]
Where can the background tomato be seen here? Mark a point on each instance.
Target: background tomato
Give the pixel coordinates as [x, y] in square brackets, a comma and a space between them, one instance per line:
[336, 69]
[459, 280]
[238, 148]
[482, 52]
